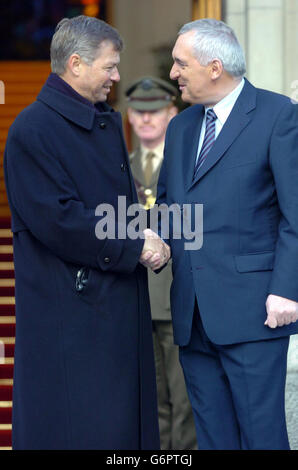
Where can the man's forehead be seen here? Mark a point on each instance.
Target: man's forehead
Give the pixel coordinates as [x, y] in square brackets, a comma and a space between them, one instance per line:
[183, 46]
[107, 47]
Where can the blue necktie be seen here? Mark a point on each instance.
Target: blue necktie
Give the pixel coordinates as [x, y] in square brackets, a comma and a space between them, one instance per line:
[209, 139]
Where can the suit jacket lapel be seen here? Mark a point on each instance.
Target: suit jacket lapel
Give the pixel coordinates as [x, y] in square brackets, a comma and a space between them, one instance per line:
[236, 122]
[191, 138]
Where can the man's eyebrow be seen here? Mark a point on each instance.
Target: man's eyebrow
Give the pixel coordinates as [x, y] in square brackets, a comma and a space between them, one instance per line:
[179, 61]
[112, 63]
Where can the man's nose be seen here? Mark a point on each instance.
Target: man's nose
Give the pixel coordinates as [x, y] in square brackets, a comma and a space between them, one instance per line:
[146, 116]
[116, 75]
[174, 72]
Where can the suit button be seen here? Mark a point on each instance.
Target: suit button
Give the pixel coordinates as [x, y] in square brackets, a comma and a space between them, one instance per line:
[123, 166]
[102, 125]
[107, 260]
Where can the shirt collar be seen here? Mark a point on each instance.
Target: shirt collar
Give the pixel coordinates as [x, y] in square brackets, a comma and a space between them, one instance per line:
[157, 150]
[72, 108]
[55, 81]
[223, 108]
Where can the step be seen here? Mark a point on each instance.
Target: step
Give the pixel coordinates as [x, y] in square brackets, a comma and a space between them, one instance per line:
[2, 182]
[4, 204]
[6, 291]
[5, 393]
[6, 265]
[6, 273]
[6, 257]
[4, 209]
[7, 320]
[5, 360]
[7, 282]
[5, 241]
[5, 438]
[5, 222]
[20, 100]
[23, 88]
[34, 69]
[7, 330]
[5, 427]
[7, 300]
[5, 233]
[8, 349]
[6, 249]
[5, 123]
[6, 371]
[10, 111]
[6, 309]
[6, 382]
[5, 412]
[5, 236]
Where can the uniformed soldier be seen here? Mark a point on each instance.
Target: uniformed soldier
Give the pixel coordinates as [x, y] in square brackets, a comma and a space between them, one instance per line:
[151, 106]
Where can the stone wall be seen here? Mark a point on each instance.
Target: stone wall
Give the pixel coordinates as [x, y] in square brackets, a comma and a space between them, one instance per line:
[268, 32]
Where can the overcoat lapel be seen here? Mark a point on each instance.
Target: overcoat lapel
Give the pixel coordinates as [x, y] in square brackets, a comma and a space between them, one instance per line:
[236, 122]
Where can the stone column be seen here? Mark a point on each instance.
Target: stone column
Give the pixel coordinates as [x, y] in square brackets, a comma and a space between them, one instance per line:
[267, 30]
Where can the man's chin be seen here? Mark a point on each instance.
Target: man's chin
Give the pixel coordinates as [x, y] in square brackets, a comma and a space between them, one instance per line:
[102, 97]
[185, 97]
[103, 94]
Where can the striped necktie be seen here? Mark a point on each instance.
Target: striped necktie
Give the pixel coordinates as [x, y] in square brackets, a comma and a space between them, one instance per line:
[209, 139]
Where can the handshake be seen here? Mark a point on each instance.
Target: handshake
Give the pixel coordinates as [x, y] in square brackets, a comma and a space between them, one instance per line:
[155, 252]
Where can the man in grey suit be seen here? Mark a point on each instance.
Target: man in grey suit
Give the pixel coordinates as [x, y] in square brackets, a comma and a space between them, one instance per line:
[151, 107]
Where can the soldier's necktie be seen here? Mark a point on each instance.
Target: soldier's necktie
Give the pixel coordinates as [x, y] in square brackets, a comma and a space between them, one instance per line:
[149, 167]
[209, 139]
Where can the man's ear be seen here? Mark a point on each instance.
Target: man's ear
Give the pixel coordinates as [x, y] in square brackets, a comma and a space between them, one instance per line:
[216, 69]
[74, 64]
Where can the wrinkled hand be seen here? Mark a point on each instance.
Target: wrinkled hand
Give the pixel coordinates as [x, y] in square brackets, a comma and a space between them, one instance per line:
[280, 311]
[155, 252]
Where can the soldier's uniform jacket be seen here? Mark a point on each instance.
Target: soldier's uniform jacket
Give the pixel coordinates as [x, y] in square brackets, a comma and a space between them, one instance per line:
[159, 284]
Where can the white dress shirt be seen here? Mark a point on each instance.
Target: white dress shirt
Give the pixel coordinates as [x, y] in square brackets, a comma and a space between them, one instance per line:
[222, 110]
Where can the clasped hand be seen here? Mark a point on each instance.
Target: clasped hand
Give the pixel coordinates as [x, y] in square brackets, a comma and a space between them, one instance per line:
[280, 311]
[155, 252]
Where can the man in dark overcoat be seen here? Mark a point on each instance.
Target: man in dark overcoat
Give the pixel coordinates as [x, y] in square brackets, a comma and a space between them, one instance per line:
[84, 370]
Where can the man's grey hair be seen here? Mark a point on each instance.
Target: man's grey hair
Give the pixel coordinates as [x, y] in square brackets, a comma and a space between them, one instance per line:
[80, 35]
[214, 39]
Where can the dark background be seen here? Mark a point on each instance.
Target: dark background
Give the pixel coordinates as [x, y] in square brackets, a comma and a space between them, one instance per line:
[27, 26]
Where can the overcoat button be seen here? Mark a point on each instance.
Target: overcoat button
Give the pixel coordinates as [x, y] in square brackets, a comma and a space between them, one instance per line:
[107, 260]
[123, 166]
[102, 125]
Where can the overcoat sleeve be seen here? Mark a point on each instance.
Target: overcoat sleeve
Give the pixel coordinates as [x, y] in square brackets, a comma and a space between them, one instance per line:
[161, 196]
[46, 200]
